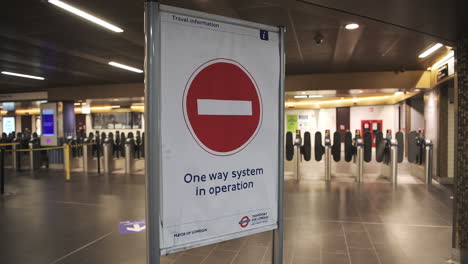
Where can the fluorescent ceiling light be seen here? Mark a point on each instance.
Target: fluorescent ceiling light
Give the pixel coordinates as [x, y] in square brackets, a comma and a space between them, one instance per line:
[430, 50]
[115, 106]
[352, 26]
[355, 91]
[307, 96]
[23, 75]
[85, 15]
[122, 66]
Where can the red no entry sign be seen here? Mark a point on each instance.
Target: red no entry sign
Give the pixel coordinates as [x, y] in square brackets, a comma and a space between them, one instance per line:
[222, 107]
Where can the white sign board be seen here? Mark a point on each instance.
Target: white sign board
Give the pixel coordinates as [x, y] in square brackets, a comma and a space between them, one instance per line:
[9, 124]
[220, 86]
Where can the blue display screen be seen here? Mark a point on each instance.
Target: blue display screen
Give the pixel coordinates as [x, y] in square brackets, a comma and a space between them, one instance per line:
[48, 124]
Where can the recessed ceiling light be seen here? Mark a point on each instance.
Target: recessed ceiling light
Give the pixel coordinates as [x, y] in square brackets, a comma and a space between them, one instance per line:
[85, 15]
[417, 90]
[303, 92]
[315, 96]
[352, 26]
[355, 91]
[300, 96]
[430, 50]
[398, 93]
[23, 75]
[126, 67]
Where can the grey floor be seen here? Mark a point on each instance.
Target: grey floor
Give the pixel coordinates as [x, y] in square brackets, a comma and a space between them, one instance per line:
[47, 220]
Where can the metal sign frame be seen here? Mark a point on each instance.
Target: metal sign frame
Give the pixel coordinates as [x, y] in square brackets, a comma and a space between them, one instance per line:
[153, 126]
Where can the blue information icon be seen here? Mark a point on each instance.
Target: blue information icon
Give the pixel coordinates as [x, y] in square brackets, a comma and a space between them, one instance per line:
[263, 34]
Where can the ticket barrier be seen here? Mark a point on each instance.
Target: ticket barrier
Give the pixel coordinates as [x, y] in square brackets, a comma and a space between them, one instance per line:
[132, 164]
[92, 158]
[389, 152]
[111, 160]
[420, 152]
[35, 157]
[358, 150]
[328, 150]
[76, 152]
[11, 157]
[301, 148]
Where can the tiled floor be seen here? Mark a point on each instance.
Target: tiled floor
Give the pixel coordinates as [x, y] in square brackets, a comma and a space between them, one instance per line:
[50, 221]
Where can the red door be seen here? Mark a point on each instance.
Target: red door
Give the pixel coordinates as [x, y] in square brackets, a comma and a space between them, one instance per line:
[371, 126]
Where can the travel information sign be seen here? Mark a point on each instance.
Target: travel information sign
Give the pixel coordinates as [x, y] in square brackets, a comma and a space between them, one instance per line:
[219, 127]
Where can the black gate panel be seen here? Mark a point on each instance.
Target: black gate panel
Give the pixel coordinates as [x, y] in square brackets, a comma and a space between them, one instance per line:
[412, 146]
[289, 146]
[400, 138]
[349, 148]
[319, 149]
[306, 149]
[367, 147]
[336, 148]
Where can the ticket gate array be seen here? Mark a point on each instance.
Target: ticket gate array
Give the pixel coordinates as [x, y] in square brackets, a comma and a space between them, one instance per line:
[119, 152]
[21, 159]
[420, 152]
[357, 149]
[93, 152]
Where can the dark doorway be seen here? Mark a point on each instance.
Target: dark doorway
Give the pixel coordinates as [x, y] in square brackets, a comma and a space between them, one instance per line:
[80, 120]
[26, 123]
[343, 116]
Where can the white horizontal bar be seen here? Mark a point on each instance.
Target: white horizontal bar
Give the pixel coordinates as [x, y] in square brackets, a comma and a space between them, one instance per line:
[217, 18]
[23, 75]
[224, 107]
[85, 15]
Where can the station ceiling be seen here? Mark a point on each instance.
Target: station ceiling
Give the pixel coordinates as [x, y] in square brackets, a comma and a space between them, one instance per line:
[40, 39]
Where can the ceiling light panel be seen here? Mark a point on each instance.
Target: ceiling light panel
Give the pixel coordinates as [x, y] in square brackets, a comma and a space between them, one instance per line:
[23, 75]
[352, 26]
[430, 50]
[85, 15]
[125, 67]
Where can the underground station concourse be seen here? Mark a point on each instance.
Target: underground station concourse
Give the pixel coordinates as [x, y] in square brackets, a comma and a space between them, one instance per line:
[233, 131]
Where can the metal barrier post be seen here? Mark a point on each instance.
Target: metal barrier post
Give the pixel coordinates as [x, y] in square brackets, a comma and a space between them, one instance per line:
[298, 153]
[98, 154]
[128, 158]
[327, 163]
[428, 162]
[360, 162]
[31, 157]
[14, 163]
[18, 159]
[394, 162]
[85, 158]
[66, 161]
[107, 157]
[2, 171]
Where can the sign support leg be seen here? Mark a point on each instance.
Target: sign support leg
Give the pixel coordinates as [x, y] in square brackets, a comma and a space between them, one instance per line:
[153, 126]
[278, 233]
